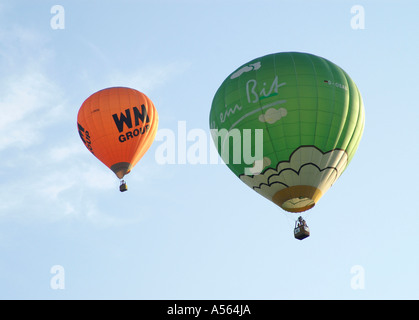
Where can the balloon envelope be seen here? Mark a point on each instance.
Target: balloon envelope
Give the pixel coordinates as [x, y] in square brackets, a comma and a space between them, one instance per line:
[118, 126]
[311, 116]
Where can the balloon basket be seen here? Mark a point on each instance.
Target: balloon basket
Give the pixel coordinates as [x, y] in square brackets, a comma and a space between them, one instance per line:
[123, 187]
[301, 233]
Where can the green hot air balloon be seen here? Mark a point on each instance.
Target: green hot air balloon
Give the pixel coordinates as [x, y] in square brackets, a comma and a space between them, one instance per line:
[309, 114]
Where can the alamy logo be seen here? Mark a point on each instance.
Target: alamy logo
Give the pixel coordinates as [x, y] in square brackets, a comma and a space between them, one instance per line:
[58, 280]
[358, 20]
[358, 278]
[58, 20]
[195, 147]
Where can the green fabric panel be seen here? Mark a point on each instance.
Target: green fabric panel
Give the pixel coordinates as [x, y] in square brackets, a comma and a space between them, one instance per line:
[322, 104]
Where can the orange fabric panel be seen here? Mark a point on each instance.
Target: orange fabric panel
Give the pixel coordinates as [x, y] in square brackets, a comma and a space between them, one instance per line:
[118, 125]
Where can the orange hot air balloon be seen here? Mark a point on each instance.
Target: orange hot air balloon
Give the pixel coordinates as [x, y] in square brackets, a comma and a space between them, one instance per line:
[118, 126]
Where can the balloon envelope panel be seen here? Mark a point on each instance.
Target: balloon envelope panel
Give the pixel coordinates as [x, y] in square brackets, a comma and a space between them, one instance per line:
[118, 126]
[311, 115]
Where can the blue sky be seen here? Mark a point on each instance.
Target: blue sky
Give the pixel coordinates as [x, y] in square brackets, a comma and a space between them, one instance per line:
[195, 231]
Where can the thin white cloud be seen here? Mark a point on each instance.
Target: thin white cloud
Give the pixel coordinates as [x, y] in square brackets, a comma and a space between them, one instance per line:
[29, 100]
[44, 168]
[65, 151]
[47, 173]
[57, 182]
[149, 77]
[28, 104]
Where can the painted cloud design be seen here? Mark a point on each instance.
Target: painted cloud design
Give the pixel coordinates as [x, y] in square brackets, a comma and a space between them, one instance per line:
[272, 115]
[250, 67]
[307, 166]
[258, 166]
